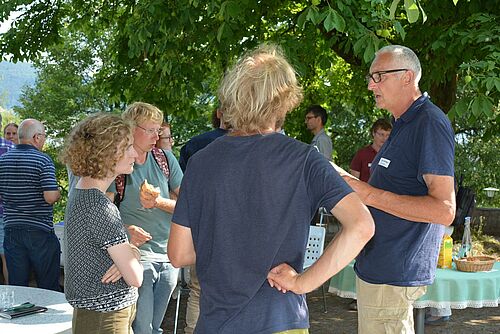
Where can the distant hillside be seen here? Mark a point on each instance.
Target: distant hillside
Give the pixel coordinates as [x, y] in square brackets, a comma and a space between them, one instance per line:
[13, 77]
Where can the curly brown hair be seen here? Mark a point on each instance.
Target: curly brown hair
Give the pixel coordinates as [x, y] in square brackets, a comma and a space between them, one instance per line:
[96, 144]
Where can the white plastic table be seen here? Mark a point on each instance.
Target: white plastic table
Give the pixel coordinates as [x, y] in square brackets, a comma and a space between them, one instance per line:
[56, 320]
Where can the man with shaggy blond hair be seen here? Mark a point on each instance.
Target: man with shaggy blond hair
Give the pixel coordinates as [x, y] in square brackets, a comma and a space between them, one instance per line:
[246, 203]
[147, 216]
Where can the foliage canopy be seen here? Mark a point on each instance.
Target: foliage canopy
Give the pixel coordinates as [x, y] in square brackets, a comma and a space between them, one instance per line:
[101, 55]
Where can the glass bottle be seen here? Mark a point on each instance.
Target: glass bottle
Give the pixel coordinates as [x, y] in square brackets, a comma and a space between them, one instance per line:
[466, 247]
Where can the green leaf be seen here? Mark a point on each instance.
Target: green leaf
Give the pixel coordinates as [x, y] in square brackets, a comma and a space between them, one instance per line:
[455, 2]
[497, 84]
[460, 107]
[314, 16]
[424, 16]
[338, 21]
[360, 44]
[329, 22]
[482, 105]
[316, 2]
[411, 11]
[232, 9]
[369, 52]
[399, 28]
[220, 32]
[394, 6]
[490, 83]
[301, 21]
[334, 20]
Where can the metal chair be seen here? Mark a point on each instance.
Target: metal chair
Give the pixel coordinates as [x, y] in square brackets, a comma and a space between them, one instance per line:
[314, 249]
[326, 218]
[182, 287]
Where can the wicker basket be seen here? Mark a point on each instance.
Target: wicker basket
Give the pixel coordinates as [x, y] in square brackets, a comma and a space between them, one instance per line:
[475, 263]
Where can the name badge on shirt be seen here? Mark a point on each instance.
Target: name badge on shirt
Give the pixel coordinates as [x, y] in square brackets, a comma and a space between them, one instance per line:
[384, 162]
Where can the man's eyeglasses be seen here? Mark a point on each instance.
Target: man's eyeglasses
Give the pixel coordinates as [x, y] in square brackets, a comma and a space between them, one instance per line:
[309, 117]
[151, 132]
[39, 134]
[382, 134]
[377, 76]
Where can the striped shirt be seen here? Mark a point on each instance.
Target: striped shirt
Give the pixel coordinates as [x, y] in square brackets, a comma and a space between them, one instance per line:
[25, 173]
[5, 145]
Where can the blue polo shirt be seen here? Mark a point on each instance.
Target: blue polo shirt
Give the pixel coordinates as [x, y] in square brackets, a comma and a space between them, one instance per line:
[403, 252]
[25, 173]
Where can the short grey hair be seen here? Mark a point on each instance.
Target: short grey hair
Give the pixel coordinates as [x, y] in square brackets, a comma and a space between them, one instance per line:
[28, 128]
[405, 57]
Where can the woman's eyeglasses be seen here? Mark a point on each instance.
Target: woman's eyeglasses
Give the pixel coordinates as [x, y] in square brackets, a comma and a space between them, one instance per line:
[151, 132]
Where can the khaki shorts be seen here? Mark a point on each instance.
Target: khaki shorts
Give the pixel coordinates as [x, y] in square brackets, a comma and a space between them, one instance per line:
[295, 331]
[386, 309]
[115, 322]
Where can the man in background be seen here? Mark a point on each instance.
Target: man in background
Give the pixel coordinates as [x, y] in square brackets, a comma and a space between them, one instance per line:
[201, 141]
[315, 121]
[28, 188]
[187, 151]
[362, 161]
[165, 140]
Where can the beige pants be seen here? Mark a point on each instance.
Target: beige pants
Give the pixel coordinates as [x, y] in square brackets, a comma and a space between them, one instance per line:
[386, 309]
[92, 322]
[193, 303]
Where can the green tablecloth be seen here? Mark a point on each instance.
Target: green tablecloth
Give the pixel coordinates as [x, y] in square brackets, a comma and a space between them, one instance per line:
[451, 288]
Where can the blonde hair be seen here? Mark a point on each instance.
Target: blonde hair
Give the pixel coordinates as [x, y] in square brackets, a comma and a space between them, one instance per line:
[260, 88]
[139, 112]
[96, 144]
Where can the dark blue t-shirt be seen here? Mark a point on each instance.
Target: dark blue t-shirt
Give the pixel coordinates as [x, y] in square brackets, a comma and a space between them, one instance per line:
[402, 252]
[248, 202]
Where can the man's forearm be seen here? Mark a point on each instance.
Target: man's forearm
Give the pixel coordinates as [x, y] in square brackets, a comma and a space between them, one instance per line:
[425, 209]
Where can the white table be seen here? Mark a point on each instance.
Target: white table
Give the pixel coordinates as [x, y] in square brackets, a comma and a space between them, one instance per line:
[56, 320]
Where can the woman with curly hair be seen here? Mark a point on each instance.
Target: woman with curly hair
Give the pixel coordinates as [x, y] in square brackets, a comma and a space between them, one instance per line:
[102, 271]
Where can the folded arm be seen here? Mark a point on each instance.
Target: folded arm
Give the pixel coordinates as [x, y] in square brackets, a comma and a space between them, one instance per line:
[126, 258]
